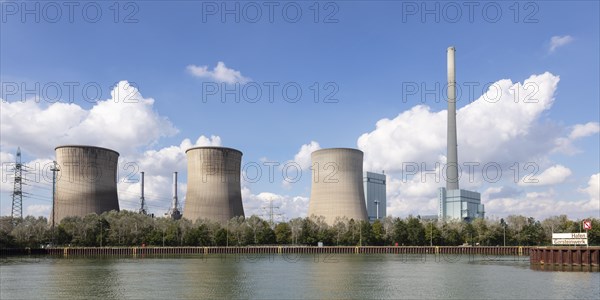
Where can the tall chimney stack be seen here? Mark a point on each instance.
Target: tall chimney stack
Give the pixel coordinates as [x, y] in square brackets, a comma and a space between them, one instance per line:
[174, 204]
[174, 212]
[142, 184]
[142, 200]
[452, 155]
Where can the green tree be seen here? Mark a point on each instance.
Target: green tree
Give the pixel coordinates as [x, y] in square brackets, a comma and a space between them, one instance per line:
[339, 229]
[309, 234]
[266, 235]
[451, 234]
[378, 236]
[283, 233]
[366, 233]
[594, 233]
[400, 232]
[532, 233]
[415, 232]
[468, 233]
[433, 234]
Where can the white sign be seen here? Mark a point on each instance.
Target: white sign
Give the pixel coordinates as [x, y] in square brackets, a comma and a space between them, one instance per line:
[582, 235]
[569, 241]
[569, 238]
[587, 225]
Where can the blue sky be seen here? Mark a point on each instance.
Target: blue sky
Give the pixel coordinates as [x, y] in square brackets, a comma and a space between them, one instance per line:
[365, 53]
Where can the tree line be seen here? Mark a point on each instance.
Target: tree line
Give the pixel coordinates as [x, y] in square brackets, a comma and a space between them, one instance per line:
[126, 228]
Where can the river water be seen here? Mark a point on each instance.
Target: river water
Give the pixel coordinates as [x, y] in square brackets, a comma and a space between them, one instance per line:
[292, 276]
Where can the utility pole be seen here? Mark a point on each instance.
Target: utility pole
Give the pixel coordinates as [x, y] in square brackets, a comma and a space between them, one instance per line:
[54, 169]
[504, 229]
[377, 207]
[360, 233]
[431, 235]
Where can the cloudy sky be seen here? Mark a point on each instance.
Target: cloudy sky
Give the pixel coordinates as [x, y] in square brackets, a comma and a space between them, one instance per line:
[278, 80]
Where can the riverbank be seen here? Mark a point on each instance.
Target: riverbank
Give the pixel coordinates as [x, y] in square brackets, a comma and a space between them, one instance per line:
[131, 251]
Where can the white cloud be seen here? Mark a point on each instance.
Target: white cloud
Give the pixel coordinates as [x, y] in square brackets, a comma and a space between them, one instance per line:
[541, 205]
[499, 127]
[545, 203]
[500, 192]
[559, 41]
[303, 159]
[578, 131]
[416, 196]
[169, 159]
[124, 122]
[303, 156]
[593, 188]
[37, 210]
[220, 73]
[584, 130]
[286, 207]
[7, 161]
[551, 176]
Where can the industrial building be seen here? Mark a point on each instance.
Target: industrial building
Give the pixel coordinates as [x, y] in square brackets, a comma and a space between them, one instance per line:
[454, 203]
[213, 186]
[337, 185]
[86, 181]
[375, 195]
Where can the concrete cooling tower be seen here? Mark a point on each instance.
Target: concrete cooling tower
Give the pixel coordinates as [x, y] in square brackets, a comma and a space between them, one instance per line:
[86, 181]
[337, 186]
[213, 186]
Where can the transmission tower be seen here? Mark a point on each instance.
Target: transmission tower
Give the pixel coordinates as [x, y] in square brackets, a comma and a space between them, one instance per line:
[271, 213]
[17, 195]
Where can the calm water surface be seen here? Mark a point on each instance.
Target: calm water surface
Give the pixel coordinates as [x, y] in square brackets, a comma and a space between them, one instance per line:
[294, 276]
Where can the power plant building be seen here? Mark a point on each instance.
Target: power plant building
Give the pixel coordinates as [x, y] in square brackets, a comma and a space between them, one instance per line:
[375, 195]
[213, 187]
[86, 181]
[337, 185]
[454, 203]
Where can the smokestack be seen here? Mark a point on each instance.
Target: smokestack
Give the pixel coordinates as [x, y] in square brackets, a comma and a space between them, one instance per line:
[142, 200]
[142, 187]
[452, 155]
[174, 204]
[174, 211]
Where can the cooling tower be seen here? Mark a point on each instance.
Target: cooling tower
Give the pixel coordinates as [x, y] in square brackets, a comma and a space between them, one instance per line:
[86, 181]
[213, 186]
[337, 186]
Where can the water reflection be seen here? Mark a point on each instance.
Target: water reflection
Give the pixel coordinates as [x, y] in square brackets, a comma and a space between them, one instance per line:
[308, 276]
[565, 268]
